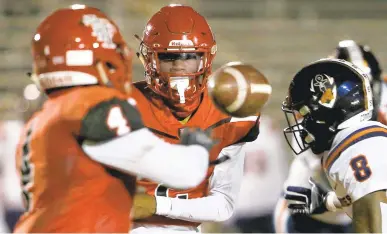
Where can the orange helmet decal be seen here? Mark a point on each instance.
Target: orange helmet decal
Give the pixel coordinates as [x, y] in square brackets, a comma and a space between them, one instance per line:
[80, 46]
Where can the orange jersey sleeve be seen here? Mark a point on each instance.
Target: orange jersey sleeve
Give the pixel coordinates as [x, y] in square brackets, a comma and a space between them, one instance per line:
[102, 114]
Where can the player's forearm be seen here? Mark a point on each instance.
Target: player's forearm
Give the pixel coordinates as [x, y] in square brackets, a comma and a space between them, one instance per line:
[175, 166]
[219, 205]
[143, 154]
[367, 215]
[216, 208]
[366, 223]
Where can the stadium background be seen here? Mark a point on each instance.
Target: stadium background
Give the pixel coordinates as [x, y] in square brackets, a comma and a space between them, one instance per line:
[276, 36]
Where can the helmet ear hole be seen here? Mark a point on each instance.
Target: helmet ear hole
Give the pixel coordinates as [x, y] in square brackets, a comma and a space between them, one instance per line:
[111, 68]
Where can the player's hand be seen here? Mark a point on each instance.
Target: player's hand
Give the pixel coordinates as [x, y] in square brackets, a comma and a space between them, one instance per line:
[308, 201]
[144, 206]
[196, 136]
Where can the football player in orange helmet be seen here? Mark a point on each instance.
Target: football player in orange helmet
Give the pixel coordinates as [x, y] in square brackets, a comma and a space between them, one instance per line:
[177, 57]
[83, 64]
[177, 49]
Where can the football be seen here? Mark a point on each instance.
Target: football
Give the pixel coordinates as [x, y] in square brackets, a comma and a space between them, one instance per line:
[239, 89]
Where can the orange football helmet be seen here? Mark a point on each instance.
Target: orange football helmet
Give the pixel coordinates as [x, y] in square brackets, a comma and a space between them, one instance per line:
[80, 46]
[177, 32]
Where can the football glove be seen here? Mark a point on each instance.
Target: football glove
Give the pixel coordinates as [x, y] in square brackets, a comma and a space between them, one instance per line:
[307, 201]
[196, 136]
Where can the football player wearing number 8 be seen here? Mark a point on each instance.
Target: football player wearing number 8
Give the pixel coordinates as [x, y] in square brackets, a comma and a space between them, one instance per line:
[84, 66]
[307, 164]
[177, 49]
[334, 99]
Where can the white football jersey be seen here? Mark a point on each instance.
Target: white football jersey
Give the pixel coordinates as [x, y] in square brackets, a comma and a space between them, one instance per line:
[355, 165]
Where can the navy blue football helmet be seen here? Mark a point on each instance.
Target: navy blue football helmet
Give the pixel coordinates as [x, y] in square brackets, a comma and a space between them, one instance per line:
[325, 97]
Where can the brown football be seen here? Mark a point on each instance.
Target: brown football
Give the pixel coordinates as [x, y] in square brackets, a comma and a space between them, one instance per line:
[238, 89]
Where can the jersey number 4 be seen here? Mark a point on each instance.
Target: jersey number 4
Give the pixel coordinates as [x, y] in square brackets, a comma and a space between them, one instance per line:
[360, 168]
[116, 121]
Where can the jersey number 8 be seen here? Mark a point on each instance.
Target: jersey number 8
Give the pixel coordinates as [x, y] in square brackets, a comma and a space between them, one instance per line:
[360, 168]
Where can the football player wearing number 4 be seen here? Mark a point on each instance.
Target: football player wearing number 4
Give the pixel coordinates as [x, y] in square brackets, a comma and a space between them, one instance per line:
[83, 64]
[177, 49]
[334, 98]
